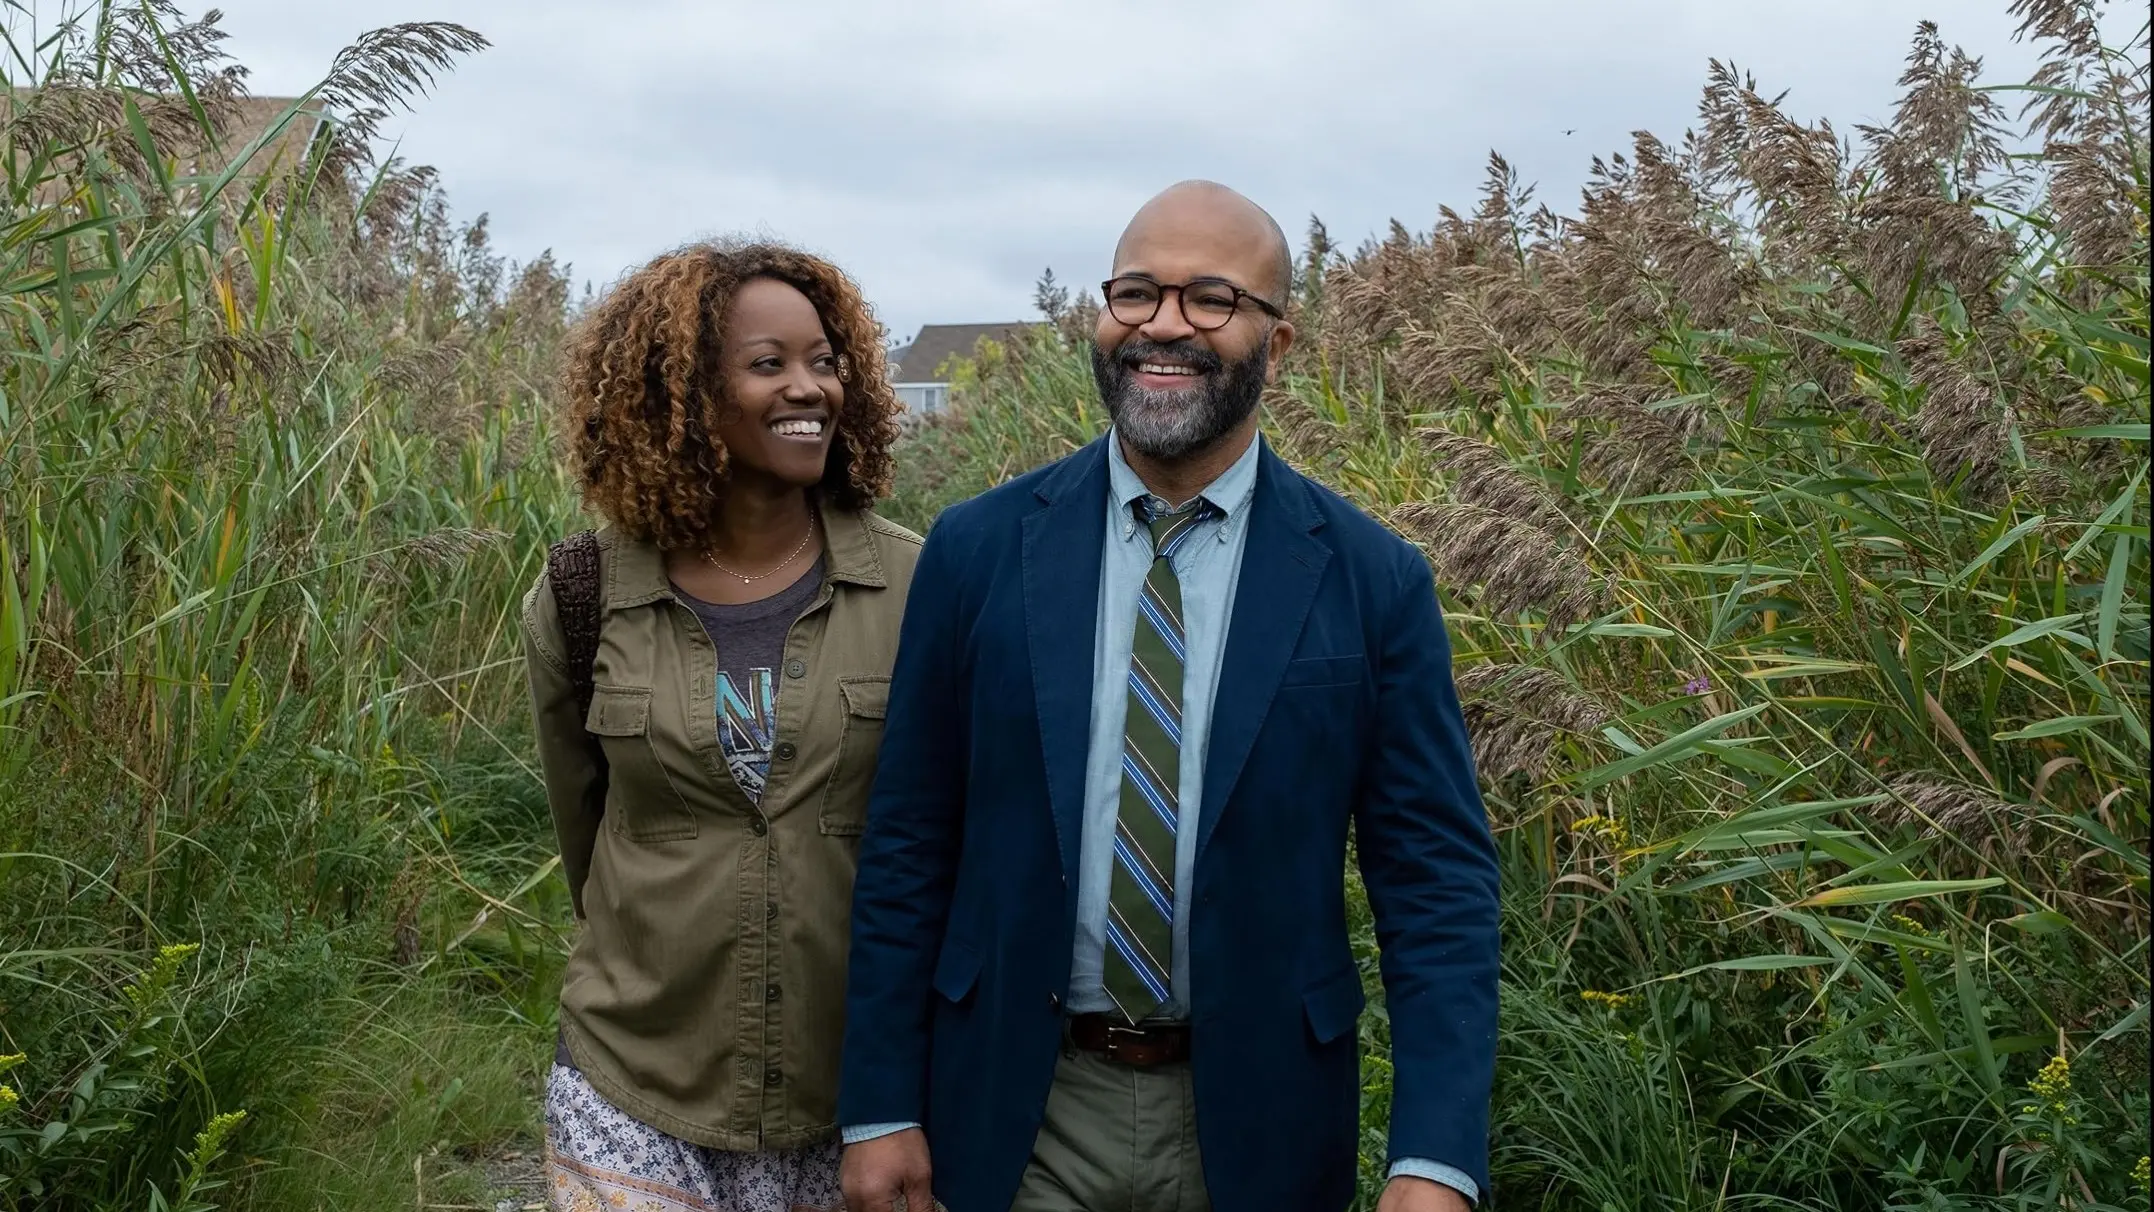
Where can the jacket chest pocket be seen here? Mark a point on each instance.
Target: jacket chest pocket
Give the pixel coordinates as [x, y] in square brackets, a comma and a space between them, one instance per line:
[643, 803]
[866, 700]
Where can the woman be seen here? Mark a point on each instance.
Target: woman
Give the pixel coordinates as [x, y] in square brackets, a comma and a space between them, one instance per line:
[729, 416]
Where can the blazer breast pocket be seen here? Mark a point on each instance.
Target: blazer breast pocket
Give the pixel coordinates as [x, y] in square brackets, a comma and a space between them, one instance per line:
[1316, 673]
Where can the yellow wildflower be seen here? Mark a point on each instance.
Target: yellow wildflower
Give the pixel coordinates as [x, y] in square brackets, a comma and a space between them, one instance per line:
[209, 1142]
[8, 1098]
[160, 975]
[1909, 925]
[1607, 828]
[2140, 1173]
[2053, 1085]
[11, 1060]
[1613, 1001]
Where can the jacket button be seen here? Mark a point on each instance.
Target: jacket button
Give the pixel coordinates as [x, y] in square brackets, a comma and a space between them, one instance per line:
[770, 993]
[759, 826]
[796, 668]
[770, 912]
[771, 1077]
[1054, 1002]
[784, 752]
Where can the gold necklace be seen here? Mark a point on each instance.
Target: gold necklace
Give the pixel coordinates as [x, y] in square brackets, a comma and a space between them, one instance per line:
[745, 579]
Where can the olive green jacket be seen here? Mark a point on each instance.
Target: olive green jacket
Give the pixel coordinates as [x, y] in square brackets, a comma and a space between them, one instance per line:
[705, 995]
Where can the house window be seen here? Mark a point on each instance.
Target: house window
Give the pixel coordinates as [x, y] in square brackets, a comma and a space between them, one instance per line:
[924, 398]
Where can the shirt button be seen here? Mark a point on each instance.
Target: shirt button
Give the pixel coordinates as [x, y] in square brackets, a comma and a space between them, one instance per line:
[785, 751]
[771, 1077]
[770, 993]
[759, 826]
[796, 668]
[770, 912]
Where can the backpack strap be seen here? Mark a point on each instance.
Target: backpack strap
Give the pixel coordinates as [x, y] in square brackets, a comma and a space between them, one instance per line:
[572, 571]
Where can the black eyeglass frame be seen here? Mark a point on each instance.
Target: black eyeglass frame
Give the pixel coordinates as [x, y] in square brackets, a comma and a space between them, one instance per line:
[1181, 297]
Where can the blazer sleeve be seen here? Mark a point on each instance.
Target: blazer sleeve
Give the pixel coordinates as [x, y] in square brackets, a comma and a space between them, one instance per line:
[1429, 864]
[908, 853]
[575, 783]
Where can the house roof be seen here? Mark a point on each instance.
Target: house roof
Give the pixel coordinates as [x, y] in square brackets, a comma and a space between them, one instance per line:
[938, 343]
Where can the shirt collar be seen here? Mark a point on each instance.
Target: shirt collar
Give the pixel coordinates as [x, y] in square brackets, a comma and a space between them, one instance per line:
[1230, 494]
[637, 571]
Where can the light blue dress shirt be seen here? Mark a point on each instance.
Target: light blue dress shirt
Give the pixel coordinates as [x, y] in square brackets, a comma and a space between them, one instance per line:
[1208, 567]
[1207, 564]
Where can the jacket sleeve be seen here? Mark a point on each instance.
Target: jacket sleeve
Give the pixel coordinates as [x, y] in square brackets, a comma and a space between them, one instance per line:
[575, 783]
[1429, 864]
[908, 853]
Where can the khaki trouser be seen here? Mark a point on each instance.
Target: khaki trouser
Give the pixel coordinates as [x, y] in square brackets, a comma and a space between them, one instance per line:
[1116, 1139]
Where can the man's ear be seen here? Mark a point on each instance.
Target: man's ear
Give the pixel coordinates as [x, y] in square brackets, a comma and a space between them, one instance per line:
[1281, 340]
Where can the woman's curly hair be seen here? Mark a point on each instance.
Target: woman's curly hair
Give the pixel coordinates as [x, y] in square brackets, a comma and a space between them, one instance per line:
[645, 389]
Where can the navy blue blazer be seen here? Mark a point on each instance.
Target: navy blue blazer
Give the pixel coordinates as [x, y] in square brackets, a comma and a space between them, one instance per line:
[1335, 705]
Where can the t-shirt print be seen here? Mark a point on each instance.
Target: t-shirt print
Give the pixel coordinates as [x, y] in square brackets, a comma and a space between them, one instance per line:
[747, 724]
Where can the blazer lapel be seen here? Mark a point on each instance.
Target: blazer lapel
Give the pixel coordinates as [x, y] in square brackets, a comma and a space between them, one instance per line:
[1282, 563]
[1062, 545]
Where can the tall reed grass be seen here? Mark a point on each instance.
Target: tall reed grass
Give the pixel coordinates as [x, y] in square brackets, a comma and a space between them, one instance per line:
[274, 475]
[1788, 504]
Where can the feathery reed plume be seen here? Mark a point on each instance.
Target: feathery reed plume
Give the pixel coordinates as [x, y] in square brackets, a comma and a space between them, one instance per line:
[1954, 807]
[1900, 235]
[2073, 60]
[1963, 428]
[1482, 475]
[441, 548]
[1641, 448]
[1726, 121]
[382, 71]
[2097, 205]
[1945, 131]
[1299, 427]
[1514, 714]
[1518, 565]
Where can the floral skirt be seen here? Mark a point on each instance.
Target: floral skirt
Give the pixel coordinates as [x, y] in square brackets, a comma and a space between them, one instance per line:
[599, 1159]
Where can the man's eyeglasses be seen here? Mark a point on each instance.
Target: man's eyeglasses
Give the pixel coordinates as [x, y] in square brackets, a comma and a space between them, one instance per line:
[1207, 303]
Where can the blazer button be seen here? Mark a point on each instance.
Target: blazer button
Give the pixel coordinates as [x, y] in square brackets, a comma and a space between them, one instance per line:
[796, 668]
[1054, 1002]
[759, 826]
[784, 752]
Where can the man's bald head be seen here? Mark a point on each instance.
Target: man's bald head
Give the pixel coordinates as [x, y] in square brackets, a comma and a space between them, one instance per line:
[1210, 215]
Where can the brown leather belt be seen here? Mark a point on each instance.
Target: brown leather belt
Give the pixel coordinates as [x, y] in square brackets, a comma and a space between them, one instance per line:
[1141, 1047]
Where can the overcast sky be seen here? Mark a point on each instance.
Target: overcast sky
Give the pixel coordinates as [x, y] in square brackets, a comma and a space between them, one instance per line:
[946, 151]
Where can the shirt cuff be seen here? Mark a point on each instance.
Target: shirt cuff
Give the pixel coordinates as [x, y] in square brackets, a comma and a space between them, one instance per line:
[1437, 1172]
[867, 1132]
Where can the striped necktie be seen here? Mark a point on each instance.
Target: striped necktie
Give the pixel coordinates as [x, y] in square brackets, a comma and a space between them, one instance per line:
[1140, 910]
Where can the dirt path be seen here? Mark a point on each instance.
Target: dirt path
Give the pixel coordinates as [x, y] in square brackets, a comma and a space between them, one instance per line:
[514, 1181]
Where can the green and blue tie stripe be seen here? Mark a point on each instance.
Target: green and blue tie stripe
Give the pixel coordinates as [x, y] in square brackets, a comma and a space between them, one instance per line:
[1140, 904]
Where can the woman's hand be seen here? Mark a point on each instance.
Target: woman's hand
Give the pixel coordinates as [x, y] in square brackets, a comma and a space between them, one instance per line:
[875, 1173]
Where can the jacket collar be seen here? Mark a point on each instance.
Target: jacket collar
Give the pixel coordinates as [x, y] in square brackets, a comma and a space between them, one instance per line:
[636, 574]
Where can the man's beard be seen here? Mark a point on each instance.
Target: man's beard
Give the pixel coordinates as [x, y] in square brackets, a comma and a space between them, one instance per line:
[1173, 425]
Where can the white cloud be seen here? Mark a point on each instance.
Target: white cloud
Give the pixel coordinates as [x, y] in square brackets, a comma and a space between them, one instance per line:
[945, 151]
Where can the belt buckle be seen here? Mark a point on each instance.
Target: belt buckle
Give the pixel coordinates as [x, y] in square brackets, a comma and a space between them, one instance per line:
[1118, 1035]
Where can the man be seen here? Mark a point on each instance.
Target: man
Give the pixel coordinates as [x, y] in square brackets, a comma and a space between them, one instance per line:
[1100, 955]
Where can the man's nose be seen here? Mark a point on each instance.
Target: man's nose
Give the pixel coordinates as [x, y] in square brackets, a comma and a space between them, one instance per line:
[1168, 324]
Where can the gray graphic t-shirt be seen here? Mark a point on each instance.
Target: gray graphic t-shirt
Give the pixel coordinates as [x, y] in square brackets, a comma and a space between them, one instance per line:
[750, 639]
